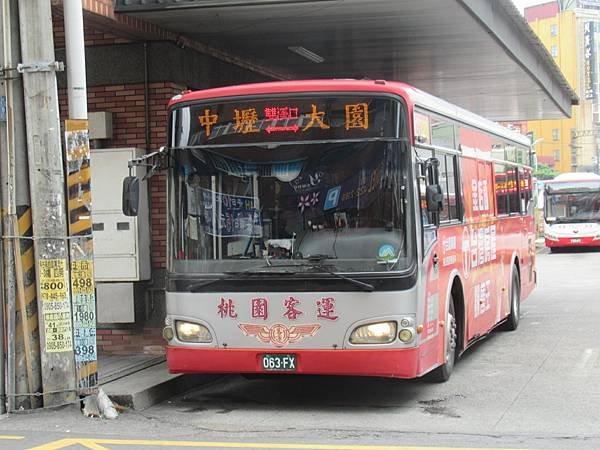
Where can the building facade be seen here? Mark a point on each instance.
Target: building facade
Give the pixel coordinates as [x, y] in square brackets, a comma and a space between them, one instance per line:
[568, 30]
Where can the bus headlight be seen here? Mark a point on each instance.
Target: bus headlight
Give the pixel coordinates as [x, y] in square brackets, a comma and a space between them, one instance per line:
[551, 237]
[192, 332]
[374, 333]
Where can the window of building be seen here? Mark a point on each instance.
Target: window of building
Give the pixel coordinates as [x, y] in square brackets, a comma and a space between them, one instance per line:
[554, 50]
[554, 30]
[555, 134]
[556, 154]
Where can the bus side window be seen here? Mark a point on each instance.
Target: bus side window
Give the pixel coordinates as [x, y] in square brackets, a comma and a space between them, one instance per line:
[525, 190]
[514, 202]
[448, 177]
[442, 133]
[501, 188]
[454, 199]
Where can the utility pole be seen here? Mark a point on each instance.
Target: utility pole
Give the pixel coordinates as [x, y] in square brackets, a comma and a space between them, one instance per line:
[7, 178]
[24, 378]
[47, 183]
[80, 204]
[574, 147]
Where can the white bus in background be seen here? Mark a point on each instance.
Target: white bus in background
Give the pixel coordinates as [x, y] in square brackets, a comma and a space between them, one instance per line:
[572, 211]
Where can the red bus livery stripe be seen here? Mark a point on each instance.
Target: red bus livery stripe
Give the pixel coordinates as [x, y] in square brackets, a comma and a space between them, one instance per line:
[397, 363]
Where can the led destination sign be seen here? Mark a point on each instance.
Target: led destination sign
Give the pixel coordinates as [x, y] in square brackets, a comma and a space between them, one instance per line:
[285, 119]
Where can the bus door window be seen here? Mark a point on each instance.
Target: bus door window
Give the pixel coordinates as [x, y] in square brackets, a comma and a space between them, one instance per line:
[427, 219]
[443, 180]
[424, 155]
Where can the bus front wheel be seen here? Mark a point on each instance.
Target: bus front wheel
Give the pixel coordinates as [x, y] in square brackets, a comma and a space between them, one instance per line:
[443, 372]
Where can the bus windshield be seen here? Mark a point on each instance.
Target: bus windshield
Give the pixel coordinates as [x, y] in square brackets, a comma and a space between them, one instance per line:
[243, 208]
[573, 206]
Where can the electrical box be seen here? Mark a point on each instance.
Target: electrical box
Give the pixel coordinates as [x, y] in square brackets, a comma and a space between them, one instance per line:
[121, 243]
[100, 125]
[115, 302]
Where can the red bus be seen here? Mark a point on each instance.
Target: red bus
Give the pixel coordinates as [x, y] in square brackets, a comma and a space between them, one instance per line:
[340, 227]
[572, 211]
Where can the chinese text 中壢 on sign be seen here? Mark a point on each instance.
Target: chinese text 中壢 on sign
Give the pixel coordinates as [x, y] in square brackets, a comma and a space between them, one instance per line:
[285, 120]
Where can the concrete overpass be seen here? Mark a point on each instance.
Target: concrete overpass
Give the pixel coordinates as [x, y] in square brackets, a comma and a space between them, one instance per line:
[479, 54]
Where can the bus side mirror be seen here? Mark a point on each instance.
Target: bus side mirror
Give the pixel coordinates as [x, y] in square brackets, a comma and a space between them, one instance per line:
[435, 198]
[131, 195]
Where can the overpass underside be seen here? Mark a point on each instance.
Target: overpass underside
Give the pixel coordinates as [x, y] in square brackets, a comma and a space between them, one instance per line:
[479, 54]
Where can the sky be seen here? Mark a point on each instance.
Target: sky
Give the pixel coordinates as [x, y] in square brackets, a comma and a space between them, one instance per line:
[521, 4]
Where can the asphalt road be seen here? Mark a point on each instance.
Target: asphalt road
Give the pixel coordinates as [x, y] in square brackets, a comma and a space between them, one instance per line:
[537, 387]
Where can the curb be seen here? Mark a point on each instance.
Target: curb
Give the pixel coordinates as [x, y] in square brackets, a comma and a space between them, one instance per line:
[150, 386]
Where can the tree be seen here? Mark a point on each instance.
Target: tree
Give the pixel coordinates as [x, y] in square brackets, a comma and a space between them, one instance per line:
[544, 172]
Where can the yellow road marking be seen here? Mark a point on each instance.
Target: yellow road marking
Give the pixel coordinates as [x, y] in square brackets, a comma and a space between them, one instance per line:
[92, 445]
[95, 444]
[55, 445]
[12, 438]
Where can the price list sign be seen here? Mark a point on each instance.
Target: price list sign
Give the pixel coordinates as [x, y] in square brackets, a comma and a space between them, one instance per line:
[56, 308]
[84, 309]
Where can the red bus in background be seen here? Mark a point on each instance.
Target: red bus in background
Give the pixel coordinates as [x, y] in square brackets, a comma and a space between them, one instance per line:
[341, 227]
[572, 211]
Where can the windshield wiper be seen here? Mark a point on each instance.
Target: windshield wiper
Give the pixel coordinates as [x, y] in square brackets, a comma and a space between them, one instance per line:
[315, 262]
[319, 257]
[365, 286]
[242, 273]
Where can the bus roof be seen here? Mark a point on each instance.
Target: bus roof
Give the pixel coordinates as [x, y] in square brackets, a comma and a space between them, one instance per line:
[574, 177]
[413, 95]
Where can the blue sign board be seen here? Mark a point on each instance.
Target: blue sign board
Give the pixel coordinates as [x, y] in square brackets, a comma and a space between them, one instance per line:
[2, 108]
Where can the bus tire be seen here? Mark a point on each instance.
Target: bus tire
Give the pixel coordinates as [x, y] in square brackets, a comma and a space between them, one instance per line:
[442, 373]
[512, 322]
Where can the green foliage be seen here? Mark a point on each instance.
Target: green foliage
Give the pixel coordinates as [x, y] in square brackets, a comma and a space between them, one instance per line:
[544, 172]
